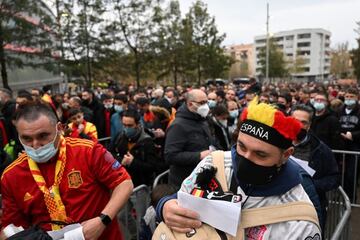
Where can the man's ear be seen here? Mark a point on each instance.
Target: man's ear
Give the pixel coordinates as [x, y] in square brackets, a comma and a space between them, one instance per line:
[287, 153]
[59, 126]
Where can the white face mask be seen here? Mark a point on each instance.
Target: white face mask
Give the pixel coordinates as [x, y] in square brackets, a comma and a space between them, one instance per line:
[223, 122]
[108, 105]
[43, 153]
[203, 110]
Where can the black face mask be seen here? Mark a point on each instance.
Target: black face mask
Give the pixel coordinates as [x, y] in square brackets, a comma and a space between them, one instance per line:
[281, 106]
[86, 101]
[251, 173]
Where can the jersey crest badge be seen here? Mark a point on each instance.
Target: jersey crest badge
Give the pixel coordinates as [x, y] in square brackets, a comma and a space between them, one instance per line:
[74, 179]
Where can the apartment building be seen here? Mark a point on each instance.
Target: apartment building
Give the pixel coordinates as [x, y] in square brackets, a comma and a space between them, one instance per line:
[312, 45]
[243, 54]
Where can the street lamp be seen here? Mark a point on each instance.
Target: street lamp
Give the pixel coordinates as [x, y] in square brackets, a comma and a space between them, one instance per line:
[267, 43]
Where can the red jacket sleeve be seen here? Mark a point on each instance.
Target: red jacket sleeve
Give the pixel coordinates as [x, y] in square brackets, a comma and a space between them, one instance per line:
[11, 212]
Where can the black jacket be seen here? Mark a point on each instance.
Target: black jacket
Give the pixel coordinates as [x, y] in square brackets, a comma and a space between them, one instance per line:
[322, 160]
[220, 135]
[142, 169]
[327, 128]
[97, 109]
[8, 111]
[187, 136]
[351, 123]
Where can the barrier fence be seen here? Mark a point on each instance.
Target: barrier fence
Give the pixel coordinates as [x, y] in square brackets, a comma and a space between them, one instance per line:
[348, 162]
[338, 215]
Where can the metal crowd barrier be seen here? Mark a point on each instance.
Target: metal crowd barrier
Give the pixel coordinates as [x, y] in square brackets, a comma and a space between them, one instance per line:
[105, 142]
[349, 164]
[338, 215]
[159, 177]
[127, 219]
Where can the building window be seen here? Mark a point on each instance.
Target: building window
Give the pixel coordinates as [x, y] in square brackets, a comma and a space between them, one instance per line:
[305, 35]
[289, 38]
[289, 54]
[305, 69]
[304, 53]
[260, 41]
[303, 44]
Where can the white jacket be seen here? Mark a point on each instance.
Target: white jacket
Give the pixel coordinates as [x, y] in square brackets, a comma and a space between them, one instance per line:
[303, 230]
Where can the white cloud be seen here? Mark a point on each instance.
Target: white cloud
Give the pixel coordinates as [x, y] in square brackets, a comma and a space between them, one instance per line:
[243, 20]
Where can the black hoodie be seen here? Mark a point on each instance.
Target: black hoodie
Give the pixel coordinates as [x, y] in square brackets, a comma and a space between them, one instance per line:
[327, 128]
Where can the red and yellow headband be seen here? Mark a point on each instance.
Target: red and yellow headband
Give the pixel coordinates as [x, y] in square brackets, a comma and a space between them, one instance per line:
[268, 124]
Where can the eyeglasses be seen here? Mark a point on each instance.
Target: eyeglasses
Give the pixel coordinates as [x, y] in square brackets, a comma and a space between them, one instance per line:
[201, 102]
[305, 123]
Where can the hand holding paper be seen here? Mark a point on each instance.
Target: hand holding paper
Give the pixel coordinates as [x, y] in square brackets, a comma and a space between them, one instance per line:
[222, 215]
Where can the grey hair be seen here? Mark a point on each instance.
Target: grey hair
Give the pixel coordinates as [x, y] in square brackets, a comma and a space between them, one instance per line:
[190, 96]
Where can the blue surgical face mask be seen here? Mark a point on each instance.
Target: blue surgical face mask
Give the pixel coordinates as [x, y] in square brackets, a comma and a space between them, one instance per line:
[118, 108]
[312, 101]
[234, 114]
[350, 102]
[211, 103]
[319, 106]
[43, 153]
[130, 132]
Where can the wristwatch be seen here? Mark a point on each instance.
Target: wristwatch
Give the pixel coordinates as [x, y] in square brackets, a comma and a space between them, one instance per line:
[105, 219]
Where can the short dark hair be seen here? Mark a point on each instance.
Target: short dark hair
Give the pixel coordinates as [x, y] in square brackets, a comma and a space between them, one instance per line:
[132, 114]
[74, 111]
[304, 108]
[161, 191]
[25, 94]
[121, 97]
[352, 91]
[286, 96]
[220, 93]
[142, 101]
[105, 97]
[220, 109]
[322, 93]
[32, 111]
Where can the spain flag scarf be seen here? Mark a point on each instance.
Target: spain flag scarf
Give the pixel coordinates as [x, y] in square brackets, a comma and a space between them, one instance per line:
[52, 197]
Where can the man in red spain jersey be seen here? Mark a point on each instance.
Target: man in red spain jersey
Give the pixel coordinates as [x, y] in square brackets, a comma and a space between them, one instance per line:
[62, 179]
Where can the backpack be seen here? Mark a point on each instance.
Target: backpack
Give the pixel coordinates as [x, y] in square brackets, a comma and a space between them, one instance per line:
[249, 217]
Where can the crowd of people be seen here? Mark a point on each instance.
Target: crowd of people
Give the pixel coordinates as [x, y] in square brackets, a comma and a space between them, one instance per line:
[152, 129]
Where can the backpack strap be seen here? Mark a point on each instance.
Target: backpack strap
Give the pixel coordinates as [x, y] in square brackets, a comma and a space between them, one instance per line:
[292, 211]
[218, 161]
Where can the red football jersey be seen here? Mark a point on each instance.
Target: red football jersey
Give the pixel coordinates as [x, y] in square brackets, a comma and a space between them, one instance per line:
[90, 174]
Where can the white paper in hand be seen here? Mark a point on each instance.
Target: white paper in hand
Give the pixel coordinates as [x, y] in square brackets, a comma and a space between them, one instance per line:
[60, 234]
[76, 234]
[219, 214]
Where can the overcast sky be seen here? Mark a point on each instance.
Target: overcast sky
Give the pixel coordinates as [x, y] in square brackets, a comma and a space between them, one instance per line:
[243, 20]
